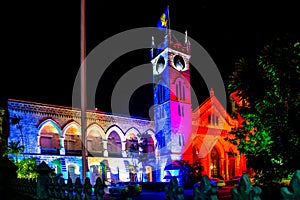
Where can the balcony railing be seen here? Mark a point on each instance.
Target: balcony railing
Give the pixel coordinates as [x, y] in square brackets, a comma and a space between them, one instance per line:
[115, 154]
[50, 151]
[73, 152]
[95, 153]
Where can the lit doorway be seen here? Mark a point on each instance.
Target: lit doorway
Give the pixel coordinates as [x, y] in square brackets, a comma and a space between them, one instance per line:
[214, 163]
[149, 174]
[231, 164]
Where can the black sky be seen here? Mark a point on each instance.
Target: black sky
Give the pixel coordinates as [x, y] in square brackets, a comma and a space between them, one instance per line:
[41, 42]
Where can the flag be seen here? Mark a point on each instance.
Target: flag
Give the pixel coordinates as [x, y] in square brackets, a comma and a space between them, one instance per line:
[164, 19]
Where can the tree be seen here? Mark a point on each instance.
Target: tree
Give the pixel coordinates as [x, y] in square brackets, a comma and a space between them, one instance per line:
[132, 152]
[138, 154]
[14, 148]
[15, 120]
[269, 104]
[27, 168]
[144, 157]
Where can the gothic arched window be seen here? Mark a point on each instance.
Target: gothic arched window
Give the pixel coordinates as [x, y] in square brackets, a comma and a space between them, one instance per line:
[114, 145]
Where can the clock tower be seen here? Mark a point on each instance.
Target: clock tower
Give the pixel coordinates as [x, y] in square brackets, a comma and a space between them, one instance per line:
[172, 101]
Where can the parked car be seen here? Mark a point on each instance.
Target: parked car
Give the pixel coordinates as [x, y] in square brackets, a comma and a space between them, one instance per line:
[122, 188]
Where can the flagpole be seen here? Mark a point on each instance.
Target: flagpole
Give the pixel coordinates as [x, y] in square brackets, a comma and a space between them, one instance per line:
[83, 86]
[169, 24]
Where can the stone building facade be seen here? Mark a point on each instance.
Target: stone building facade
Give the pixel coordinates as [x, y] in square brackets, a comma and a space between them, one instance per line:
[211, 127]
[52, 133]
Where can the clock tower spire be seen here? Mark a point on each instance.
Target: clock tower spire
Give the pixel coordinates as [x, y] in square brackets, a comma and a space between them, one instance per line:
[172, 101]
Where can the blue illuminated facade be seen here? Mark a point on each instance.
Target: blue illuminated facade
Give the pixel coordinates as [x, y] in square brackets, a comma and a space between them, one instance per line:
[52, 133]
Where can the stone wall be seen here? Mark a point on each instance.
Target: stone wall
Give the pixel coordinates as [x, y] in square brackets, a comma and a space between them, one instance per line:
[35, 115]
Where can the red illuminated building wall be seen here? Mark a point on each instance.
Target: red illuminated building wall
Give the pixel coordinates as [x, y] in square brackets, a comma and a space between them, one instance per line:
[211, 125]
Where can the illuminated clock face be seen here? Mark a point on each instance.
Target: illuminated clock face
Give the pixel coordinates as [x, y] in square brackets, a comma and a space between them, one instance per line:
[160, 65]
[179, 63]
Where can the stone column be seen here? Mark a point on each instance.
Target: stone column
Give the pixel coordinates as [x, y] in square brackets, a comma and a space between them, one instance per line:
[105, 151]
[226, 166]
[39, 145]
[222, 170]
[62, 146]
[208, 158]
[237, 165]
[124, 154]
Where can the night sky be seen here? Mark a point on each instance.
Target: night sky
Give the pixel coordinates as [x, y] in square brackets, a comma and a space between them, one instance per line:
[41, 51]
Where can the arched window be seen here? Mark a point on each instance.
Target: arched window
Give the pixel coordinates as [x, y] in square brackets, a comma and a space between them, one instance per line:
[160, 138]
[72, 141]
[177, 91]
[214, 162]
[161, 93]
[148, 144]
[180, 89]
[181, 139]
[49, 139]
[231, 163]
[114, 145]
[132, 143]
[94, 143]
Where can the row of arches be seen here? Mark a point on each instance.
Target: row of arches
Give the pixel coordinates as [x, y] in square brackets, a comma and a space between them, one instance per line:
[221, 162]
[219, 169]
[105, 171]
[112, 143]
